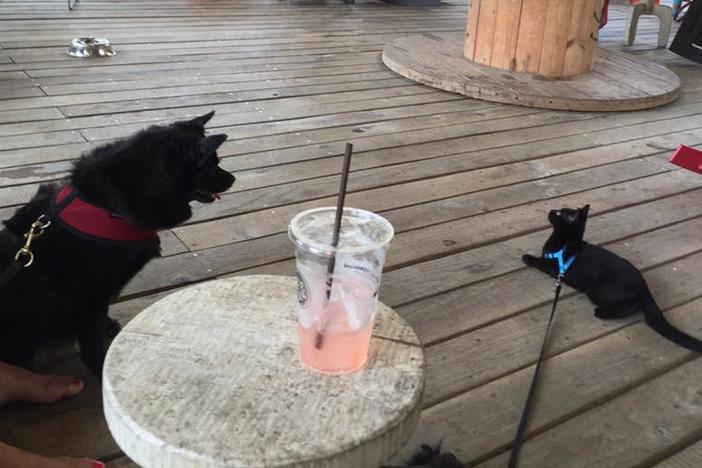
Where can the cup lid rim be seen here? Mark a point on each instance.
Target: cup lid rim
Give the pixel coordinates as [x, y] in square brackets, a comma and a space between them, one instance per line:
[319, 248]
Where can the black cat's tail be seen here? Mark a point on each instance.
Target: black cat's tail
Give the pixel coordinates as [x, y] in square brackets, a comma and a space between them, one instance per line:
[656, 320]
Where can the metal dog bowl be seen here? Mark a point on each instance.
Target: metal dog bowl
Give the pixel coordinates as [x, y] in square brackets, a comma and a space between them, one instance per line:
[90, 47]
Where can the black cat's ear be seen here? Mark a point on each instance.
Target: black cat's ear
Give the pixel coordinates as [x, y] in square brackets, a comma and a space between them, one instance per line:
[200, 121]
[584, 211]
[208, 146]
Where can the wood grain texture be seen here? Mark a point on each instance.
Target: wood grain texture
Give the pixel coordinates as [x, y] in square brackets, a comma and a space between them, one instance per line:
[665, 411]
[417, 57]
[222, 385]
[471, 34]
[556, 31]
[577, 378]
[531, 35]
[548, 38]
[504, 50]
[690, 457]
[487, 25]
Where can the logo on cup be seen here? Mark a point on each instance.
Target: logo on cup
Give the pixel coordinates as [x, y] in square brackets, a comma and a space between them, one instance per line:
[303, 296]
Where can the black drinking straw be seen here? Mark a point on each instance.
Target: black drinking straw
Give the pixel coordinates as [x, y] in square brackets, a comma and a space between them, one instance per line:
[319, 338]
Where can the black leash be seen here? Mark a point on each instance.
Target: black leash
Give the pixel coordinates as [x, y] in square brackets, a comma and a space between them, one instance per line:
[521, 429]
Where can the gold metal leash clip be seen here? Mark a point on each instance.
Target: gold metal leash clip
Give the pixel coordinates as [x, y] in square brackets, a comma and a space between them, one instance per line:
[36, 230]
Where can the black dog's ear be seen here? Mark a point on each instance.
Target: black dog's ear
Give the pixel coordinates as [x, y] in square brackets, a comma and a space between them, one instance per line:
[433, 457]
[584, 211]
[200, 121]
[208, 146]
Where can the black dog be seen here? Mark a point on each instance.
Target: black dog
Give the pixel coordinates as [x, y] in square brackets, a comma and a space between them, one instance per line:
[433, 457]
[104, 221]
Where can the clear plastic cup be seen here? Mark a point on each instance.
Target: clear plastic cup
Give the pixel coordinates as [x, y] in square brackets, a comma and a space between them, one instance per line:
[336, 312]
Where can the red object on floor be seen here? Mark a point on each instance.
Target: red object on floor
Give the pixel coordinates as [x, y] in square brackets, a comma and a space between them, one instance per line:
[688, 158]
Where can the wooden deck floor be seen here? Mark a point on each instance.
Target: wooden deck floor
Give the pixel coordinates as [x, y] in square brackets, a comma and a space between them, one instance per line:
[467, 184]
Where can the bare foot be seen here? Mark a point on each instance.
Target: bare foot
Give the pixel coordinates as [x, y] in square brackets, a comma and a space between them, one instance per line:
[18, 384]
[11, 457]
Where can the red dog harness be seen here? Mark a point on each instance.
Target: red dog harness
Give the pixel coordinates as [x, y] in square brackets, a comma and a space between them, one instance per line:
[83, 218]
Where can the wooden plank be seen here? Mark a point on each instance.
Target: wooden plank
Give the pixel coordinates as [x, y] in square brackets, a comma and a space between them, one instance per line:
[227, 87]
[170, 244]
[471, 35]
[43, 139]
[664, 413]
[689, 457]
[531, 35]
[101, 127]
[556, 31]
[30, 115]
[88, 104]
[359, 114]
[55, 87]
[485, 32]
[504, 49]
[581, 38]
[210, 100]
[12, 75]
[573, 382]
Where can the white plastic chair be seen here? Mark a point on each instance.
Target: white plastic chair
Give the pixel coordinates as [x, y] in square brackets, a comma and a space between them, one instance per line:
[649, 7]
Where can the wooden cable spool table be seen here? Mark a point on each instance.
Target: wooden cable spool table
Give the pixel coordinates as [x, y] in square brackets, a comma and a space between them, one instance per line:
[209, 376]
[538, 53]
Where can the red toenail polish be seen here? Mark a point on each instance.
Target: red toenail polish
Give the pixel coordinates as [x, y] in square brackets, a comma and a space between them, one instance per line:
[98, 465]
[77, 382]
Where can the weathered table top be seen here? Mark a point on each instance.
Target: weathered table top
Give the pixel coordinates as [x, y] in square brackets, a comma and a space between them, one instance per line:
[209, 376]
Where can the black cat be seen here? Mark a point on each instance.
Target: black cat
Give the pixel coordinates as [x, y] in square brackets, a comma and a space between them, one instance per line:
[613, 284]
[104, 222]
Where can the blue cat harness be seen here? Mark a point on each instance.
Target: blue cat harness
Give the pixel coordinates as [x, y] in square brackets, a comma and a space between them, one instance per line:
[563, 264]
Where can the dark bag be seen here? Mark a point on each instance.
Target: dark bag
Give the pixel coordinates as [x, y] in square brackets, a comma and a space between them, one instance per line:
[688, 40]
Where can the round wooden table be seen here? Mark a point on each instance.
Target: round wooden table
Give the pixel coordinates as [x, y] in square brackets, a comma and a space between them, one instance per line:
[210, 376]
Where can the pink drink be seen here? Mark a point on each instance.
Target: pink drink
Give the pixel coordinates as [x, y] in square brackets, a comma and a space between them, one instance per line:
[343, 351]
[335, 333]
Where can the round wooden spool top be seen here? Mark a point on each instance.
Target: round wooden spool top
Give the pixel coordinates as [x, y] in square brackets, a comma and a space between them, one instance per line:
[209, 376]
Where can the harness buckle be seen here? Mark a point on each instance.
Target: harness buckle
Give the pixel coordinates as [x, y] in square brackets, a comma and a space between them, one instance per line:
[25, 252]
[36, 230]
[563, 264]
